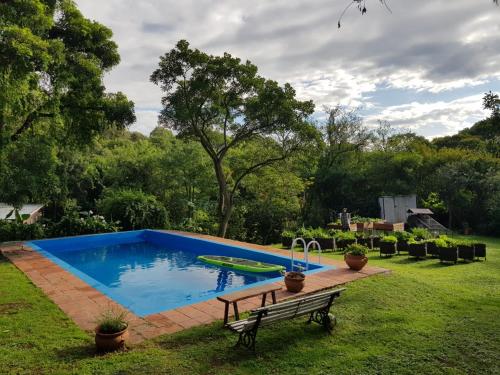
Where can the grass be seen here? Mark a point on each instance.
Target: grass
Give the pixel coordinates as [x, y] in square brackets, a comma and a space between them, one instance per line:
[424, 318]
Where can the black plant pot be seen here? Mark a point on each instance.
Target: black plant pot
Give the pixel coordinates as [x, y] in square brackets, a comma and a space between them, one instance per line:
[387, 248]
[325, 243]
[402, 246]
[417, 250]
[375, 242]
[286, 241]
[466, 252]
[432, 249]
[480, 250]
[342, 244]
[364, 241]
[448, 254]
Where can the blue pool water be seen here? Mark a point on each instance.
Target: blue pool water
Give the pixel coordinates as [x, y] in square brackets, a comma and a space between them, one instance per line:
[151, 271]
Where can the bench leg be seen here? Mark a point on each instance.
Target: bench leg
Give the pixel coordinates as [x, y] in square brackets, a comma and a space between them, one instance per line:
[263, 300]
[323, 317]
[247, 339]
[226, 312]
[273, 295]
[236, 313]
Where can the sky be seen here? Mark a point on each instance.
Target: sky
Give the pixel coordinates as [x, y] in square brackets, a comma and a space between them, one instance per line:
[424, 66]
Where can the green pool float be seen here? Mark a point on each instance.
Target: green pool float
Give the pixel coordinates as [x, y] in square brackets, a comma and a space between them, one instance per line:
[241, 264]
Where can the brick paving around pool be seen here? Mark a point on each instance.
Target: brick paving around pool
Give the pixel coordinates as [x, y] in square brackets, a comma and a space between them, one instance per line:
[83, 304]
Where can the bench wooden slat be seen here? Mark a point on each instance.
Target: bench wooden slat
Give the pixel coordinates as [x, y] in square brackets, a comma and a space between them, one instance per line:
[254, 292]
[294, 302]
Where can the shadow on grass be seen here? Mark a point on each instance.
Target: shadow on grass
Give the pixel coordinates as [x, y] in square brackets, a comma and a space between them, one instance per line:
[438, 264]
[3, 259]
[78, 352]
[217, 345]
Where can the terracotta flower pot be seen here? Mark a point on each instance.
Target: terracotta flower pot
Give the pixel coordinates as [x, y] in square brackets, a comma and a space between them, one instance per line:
[108, 342]
[294, 281]
[355, 262]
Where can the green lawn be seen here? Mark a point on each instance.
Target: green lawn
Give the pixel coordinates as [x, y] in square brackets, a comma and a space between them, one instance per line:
[424, 318]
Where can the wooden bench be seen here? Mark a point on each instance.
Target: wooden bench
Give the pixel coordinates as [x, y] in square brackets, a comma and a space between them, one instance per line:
[317, 306]
[234, 298]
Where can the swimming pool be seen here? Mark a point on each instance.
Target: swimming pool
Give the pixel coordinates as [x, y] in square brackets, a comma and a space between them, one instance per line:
[151, 271]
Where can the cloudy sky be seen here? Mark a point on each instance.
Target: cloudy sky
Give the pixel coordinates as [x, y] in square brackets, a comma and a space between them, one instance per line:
[424, 67]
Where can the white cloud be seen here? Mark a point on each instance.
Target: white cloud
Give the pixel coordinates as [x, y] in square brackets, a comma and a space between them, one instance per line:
[435, 118]
[426, 46]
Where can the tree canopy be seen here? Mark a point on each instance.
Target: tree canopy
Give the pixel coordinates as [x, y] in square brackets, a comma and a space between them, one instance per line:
[52, 62]
[226, 106]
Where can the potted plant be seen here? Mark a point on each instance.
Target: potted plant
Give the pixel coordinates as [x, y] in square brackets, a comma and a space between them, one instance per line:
[432, 247]
[305, 233]
[421, 234]
[355, 256]
[403, 238]
[111, 332]
[388, 245]
[447, 249]
[375, 240]
[360, 238]
[465, 250]
[287, 237]
[344, 239]
[417, 249]
[294, 281]
[480, 250]
[324, 238]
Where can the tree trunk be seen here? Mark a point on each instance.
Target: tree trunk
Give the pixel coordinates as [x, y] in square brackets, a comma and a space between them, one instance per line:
[225, 201]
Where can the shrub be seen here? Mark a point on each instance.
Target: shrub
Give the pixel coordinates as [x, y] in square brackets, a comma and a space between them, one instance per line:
[133, 209]
[320, 233]
[441, 242]
[288, 234]
[345, 235]
[421, 233]
[389, 239]
[73, 225]
[14, 231]
[402, 236]
[356, 249]
[305, 232]
[112, 322]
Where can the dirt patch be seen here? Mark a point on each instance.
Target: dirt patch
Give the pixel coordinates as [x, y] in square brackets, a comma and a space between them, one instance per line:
[13, 307]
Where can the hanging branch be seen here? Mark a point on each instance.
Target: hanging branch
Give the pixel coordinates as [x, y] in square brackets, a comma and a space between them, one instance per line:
[361, 5]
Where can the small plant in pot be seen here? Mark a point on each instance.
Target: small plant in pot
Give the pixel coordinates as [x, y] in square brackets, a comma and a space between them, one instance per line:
[287, 237]
[294, 281]
[388, 245]
[324, 238]
[355, 256]
[111, 332]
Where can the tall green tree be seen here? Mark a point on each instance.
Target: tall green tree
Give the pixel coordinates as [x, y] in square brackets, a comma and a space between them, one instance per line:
[226, 106]
[52, 62]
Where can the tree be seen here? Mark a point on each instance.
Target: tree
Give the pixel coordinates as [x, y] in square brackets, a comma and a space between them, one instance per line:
[343, 133]
[492, 102]
[225, 105]
[52, 62]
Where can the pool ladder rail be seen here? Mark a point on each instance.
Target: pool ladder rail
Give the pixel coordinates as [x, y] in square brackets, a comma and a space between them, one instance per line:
[306, 252]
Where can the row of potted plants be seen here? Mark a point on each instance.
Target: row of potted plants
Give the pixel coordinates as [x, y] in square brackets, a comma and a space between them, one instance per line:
[420, 246]
[330, 238]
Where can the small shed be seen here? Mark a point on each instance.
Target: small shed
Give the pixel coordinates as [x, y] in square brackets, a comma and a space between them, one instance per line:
[393, 209]
[31, 212]
[421, 217]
